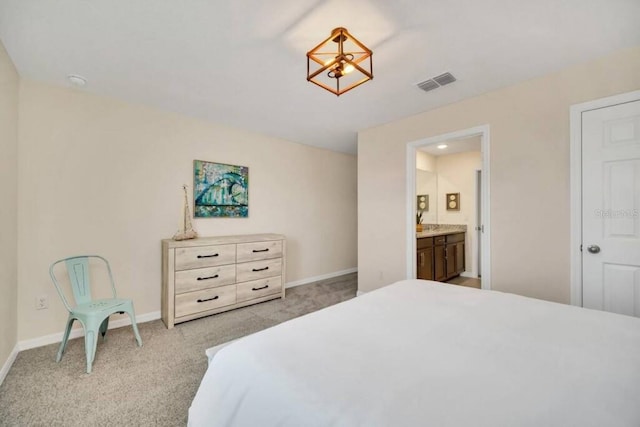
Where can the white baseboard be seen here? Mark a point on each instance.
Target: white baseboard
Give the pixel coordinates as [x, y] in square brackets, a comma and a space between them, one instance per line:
[79, 332]
[7, 365]
[321, 277]
[468, 274]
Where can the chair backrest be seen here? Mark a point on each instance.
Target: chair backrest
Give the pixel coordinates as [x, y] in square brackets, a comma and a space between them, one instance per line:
[79, 277]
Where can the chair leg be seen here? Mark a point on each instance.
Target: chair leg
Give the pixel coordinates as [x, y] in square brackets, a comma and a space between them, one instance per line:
[95, 345]
[103, 328]
[65, 338]
[89, 347]
[132, 316]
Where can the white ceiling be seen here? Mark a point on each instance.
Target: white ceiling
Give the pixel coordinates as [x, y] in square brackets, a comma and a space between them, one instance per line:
[242, 62]
[463, 145]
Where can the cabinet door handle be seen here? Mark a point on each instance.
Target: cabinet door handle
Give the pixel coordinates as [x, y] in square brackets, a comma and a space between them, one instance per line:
[260, 269]
[208, 256]
[260, 250]
[263, 287]
[210, 277]
[208, 299]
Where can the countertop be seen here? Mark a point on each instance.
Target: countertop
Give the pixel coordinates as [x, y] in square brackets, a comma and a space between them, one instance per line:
[440, 229]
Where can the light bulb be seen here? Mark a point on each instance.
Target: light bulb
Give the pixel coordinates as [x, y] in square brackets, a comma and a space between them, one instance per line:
[442, 146]
[348, 68]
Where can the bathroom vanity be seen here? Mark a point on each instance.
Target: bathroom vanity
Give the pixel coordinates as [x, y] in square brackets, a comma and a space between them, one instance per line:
[441, 253]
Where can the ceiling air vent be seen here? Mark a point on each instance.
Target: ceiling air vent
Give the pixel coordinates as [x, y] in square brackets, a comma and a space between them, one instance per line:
[436, 82]
[444, 79]
[428, 85]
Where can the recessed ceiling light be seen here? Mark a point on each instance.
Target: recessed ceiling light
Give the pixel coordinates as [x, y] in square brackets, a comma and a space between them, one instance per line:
[77, 80]
[442, 146]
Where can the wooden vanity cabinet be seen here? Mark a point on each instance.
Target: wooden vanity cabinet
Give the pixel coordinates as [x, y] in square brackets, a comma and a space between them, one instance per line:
[459, 257]
[441, 257]
[454, 249]
[425, 258]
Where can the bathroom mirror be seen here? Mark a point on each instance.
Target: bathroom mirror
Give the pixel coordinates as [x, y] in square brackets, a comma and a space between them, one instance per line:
[427, 185]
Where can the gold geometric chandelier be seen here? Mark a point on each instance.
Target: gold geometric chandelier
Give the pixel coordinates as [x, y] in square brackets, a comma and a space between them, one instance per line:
[339, 63]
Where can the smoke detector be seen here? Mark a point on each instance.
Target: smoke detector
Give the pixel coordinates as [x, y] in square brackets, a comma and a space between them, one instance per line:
[436, 82]
[76, 80]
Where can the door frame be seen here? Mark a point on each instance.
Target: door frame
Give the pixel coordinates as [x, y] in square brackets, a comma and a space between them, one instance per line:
[478, 231]
[412, 147]
[575, 155]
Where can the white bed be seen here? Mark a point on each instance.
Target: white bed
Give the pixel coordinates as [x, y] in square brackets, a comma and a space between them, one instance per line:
[419, 353]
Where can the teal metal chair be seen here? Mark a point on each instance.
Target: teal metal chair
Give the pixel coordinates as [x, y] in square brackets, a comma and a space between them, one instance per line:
[92, 314]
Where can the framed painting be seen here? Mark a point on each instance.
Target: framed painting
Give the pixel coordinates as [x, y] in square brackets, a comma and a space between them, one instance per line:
[453, 201]
[220, 190]
[423, 203]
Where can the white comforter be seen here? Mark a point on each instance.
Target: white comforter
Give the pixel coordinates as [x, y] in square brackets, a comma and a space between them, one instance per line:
[420, 353]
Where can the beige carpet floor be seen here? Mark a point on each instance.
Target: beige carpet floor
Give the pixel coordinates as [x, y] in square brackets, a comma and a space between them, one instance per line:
[151, 385]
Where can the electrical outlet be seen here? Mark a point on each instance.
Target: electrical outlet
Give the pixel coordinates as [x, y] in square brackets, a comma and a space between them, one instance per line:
[42, 302]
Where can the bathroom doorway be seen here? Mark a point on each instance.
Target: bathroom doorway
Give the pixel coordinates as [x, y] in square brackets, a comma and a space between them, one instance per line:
[448, 208]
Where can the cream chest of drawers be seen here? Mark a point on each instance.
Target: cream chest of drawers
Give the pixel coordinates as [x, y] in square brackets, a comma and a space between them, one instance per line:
[209, 275]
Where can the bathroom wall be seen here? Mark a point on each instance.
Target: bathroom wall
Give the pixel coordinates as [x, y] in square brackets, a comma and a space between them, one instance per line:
[457, 174]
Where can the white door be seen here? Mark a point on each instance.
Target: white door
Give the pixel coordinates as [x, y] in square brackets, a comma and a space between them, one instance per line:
[610, 208]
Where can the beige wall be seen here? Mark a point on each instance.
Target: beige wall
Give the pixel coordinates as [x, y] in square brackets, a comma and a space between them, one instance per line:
[103, 176]
[529, 176]
[8, 203]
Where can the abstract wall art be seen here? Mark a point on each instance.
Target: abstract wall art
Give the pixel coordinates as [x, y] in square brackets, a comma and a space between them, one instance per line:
[220, 190]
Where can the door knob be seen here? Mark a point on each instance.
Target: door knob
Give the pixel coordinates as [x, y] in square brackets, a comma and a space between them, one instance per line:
[593, 249]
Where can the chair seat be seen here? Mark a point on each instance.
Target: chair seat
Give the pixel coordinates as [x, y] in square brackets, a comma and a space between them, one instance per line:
[100, 305]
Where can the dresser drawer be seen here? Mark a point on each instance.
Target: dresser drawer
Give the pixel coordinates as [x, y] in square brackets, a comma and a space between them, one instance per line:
[259, 250]
[207, 299]
[439, 240]
[259, 288]
[202, 278]
[258, 269]
[205, 256]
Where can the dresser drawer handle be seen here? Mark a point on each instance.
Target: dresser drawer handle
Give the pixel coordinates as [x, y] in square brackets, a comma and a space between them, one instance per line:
[263, 287]
[210, 277]
[208, 299]
[208, 256]
[260, 269]
[260, 250]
